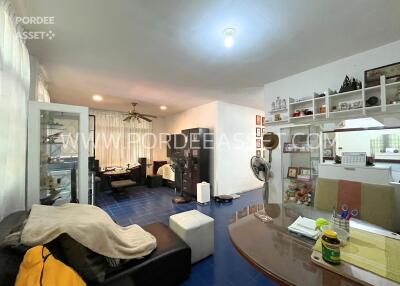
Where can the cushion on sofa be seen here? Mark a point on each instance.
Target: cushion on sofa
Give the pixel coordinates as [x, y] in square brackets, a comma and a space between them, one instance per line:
[89, 265]
[11, 254]
[9, 265]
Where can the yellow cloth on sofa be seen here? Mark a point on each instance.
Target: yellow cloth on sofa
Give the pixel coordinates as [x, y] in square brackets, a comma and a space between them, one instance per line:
[36, 267]
[373, 252]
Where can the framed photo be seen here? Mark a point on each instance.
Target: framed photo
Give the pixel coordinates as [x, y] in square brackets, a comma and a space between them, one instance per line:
[258, 119]
[258, 132]
[373, 76]
[263, 120]
[263, 131]
[304, 174]
[288, 147]
[258, 143]
[292, 172]
[258, 153]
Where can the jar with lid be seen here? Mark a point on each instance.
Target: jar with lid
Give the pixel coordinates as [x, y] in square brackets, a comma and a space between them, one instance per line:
[330, 247]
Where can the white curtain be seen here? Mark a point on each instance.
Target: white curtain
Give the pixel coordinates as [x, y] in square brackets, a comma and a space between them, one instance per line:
[14, 92]
[119, 143]
[41, 90]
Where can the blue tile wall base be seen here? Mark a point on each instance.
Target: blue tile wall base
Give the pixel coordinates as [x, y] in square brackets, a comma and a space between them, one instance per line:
[142, 205]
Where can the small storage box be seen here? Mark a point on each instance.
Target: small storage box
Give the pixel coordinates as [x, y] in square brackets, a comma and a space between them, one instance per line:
[154, 181]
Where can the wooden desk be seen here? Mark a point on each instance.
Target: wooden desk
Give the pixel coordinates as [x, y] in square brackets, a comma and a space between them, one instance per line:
[114, 173]
[280, 255]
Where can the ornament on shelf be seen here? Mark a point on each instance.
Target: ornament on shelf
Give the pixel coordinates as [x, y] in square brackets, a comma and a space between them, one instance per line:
[278, 104]
[350, 84]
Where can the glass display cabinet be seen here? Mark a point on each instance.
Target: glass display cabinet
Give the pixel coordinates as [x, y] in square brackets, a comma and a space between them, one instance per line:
[300, 161]
[57, 154]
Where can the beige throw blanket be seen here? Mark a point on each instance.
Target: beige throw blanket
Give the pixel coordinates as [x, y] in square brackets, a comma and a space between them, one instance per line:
[90, 226]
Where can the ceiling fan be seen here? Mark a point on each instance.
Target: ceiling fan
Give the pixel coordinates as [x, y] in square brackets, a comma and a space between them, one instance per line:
[138, 116]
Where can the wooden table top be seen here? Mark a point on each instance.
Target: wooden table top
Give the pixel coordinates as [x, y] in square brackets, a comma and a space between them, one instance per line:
[116, 172]
[280, 255]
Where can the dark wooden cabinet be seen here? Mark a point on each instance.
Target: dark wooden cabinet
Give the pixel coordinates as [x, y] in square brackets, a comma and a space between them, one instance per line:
[197, 155]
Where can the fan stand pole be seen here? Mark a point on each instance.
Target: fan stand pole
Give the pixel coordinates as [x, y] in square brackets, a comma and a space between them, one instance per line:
[266, 192]
[269, 155]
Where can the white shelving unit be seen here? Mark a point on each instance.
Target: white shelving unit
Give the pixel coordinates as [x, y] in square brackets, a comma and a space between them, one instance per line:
[385, 92]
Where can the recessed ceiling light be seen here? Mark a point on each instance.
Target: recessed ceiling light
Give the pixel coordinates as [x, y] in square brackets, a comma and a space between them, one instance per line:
[97, 97]
[229, 40]
[163, 107]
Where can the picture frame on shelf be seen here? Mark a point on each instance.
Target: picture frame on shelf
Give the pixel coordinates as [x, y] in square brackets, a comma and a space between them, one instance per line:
[295, 148]
[343, 106]
[292, 172]
[258, 153]
[258, 143]
[277, 117]
[258, 132]
[373, 76]
[258, 119]
[300, 139]
[262, 120]
[287, 147]
[304, 174]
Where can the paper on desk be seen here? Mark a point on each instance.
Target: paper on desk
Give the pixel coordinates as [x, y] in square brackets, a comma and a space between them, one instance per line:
[304, 226]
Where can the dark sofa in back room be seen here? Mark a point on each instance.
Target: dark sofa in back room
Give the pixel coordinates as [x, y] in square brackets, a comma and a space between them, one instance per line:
[168, 264]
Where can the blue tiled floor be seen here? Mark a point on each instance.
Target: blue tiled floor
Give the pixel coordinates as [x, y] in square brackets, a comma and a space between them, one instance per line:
[226, 267]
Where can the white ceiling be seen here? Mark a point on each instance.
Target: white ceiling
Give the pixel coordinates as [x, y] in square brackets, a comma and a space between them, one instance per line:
[171, 52]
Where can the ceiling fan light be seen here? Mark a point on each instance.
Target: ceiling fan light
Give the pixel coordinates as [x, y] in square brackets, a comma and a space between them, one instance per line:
[163, 107]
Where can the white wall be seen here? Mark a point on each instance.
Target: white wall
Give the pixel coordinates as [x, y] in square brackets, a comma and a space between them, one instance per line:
[319, 80]
[230, 167]
[235, 145]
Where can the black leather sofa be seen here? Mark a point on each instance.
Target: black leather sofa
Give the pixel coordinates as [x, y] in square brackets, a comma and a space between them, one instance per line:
[169, 264]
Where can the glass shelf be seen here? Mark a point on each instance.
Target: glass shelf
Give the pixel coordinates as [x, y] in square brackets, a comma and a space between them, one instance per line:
[58, 158]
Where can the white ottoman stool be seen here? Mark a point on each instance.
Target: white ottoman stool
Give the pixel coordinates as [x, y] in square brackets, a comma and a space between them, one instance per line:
[197, 230]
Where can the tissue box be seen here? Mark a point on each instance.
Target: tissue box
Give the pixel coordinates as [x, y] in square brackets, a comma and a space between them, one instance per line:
[203, 192]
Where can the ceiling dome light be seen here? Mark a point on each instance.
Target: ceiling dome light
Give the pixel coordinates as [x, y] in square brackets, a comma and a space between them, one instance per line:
[229, 40]
[97, 97]
[163, 107]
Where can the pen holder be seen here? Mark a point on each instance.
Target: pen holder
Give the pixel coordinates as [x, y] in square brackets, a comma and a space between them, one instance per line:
[341, 223]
